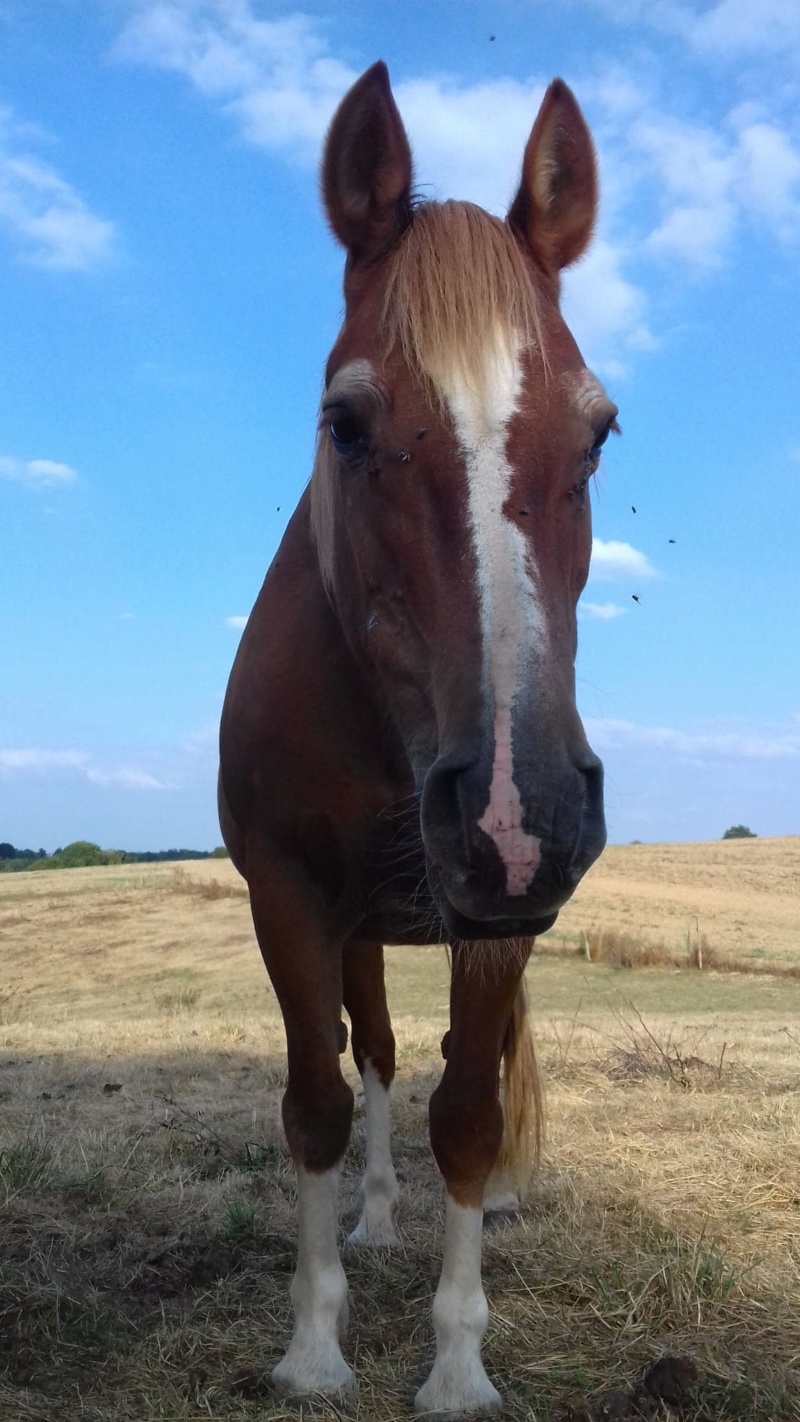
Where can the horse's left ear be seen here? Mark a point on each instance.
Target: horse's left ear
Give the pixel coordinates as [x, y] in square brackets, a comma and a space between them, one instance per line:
[366, 168]
[556, 204]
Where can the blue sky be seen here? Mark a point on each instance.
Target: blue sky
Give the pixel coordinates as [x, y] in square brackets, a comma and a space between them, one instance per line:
[170, 292]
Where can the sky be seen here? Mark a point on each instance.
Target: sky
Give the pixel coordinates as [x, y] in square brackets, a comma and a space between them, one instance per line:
[170, 291]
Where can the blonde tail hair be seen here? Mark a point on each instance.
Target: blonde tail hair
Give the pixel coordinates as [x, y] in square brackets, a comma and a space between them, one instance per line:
[523, 1105]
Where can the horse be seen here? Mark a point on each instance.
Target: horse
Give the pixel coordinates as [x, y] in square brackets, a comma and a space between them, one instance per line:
[401, 757]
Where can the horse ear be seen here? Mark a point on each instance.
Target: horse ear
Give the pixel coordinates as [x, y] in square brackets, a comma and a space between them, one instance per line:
[556, 204]
[367, 168]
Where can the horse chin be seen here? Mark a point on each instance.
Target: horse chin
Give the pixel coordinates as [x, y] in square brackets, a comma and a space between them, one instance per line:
[461, 927]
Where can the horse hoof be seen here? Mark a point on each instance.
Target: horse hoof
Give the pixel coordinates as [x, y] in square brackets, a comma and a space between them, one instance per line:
[298, 1386]
[462, 1396]
[375, 1234]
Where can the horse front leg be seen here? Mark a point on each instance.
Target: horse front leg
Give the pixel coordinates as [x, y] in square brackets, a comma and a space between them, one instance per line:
[374, 1054]
[305, 970]
[466, 1125]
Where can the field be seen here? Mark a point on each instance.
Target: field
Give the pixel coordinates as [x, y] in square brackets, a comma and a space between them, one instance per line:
[146, 1198]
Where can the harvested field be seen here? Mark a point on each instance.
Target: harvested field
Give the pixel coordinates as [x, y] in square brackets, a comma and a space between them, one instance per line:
[146, 1199]
[742, 894]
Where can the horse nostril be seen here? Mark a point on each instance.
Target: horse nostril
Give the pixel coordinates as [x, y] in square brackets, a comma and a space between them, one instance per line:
[592, 771]
[441, 803]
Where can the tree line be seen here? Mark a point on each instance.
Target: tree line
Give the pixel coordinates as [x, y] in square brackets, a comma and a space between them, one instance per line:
[82, 854]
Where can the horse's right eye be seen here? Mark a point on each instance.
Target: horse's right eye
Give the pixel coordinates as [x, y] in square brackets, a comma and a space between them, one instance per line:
[346, 437]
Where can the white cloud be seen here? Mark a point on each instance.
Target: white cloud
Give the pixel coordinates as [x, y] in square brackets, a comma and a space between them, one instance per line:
[673, 190]
[614, 560]
[601, 611]
[236, 622]
[56, 762]
[768, 177]
[711, 180]
[736, 28]
[605, 311]
[727, 29]
[273, 77]
[736, 744]
[126, 778]
[42, 762]
[36, 472]
[278, 83]
[42, 212]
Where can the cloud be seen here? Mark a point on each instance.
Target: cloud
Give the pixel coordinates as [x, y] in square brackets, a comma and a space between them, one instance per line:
[76, 762]
[736, 28]
[711, 180]
[614, 560]
[236, 622]
[44, 215]
[274, 78]
[674, 191]
[601, 611]
[278, 83]
[42, 762]
[36, 472]
[728, 29]
[736, 744]
[605, 310]
[768, 177]
[126, 779]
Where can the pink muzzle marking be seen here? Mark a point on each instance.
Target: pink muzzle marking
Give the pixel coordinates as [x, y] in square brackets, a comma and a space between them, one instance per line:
[502, 821]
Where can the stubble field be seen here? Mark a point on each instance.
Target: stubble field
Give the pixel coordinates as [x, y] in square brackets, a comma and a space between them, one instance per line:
[146, 1198]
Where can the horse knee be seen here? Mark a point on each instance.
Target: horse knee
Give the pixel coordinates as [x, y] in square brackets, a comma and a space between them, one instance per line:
[378, 1048]
[317, 1122]
[466, 1132]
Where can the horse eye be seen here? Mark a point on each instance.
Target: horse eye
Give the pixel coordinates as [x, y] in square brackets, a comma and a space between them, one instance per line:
[612, 426]
[346, 437]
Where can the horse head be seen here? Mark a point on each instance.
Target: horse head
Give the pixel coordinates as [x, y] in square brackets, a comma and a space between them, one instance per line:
[459, 432]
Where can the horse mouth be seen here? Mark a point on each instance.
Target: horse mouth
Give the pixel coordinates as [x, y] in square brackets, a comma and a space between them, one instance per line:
[471, 926]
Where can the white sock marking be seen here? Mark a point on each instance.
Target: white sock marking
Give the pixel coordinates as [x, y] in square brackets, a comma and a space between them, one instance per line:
[379, 1189]
[458, 1382]
[511, 615]
[314, 1362]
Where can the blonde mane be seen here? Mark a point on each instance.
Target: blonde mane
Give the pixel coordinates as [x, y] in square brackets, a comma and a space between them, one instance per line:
[457, 284]
[458, 289]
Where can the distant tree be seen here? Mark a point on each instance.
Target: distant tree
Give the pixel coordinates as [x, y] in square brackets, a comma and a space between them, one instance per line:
[80, 854]
[219, 853]
[739, 832]
[7, 851]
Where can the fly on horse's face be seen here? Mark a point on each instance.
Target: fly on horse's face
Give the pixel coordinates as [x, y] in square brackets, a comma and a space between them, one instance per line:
[459, 431]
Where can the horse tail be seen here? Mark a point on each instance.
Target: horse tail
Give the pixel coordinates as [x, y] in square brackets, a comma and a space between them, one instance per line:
[523, 1105]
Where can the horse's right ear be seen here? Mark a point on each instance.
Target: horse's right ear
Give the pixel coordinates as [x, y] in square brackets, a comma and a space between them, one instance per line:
[367, 169]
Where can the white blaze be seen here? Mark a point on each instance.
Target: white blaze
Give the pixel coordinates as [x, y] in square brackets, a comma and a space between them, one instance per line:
[511, 615]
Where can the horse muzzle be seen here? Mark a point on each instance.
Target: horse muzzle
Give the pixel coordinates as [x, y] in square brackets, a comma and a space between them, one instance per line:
[502, 862]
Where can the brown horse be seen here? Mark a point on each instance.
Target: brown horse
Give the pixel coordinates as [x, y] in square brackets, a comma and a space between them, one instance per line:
[401, 755]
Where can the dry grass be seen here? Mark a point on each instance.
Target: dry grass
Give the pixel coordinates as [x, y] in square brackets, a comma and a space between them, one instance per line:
[621, 948]
[741, 893]
[147, 1202]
